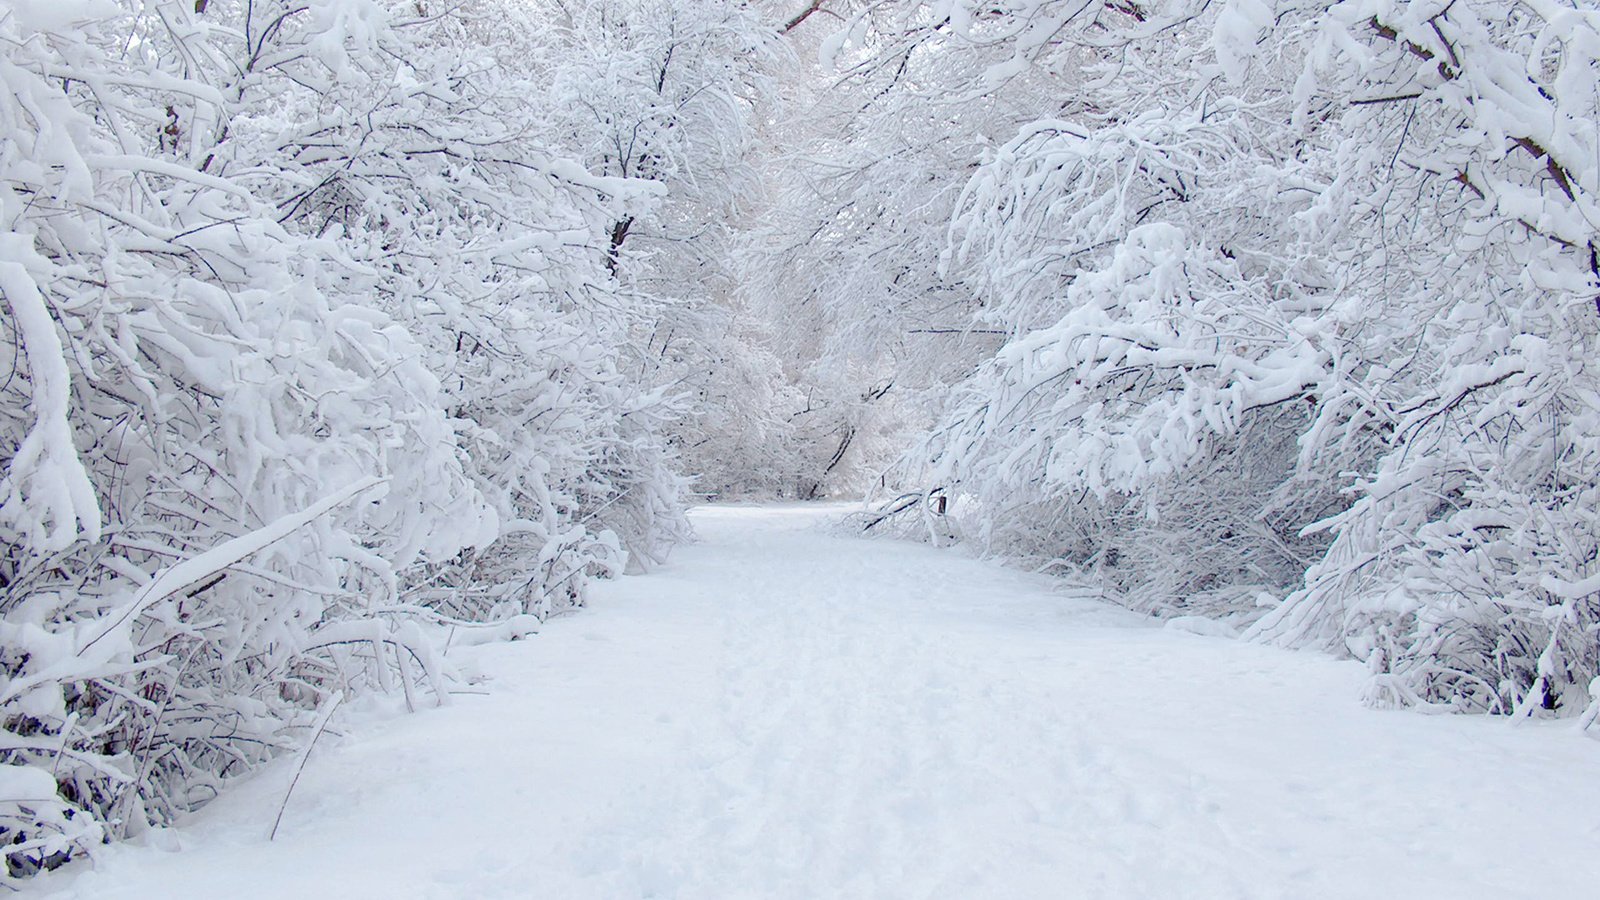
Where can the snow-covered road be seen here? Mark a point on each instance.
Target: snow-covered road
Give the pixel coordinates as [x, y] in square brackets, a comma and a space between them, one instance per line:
[786, 713]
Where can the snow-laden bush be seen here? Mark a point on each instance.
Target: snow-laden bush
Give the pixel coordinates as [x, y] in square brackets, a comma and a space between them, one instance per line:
[1157, 418]
[493, 250]
[1464, 571]
[313, 346]
[1300, 306]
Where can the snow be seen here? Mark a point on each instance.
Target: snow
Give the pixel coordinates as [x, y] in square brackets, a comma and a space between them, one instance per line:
[189, 572]
[44, 494]
[785, 711]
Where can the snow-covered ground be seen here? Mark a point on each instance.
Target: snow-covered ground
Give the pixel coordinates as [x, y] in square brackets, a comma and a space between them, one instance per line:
[782, 712]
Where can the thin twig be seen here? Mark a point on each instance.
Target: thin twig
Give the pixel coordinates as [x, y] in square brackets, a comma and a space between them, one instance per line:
[316, 732]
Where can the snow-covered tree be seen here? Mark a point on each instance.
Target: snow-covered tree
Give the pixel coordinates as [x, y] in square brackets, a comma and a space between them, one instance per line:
[844, 259]
[316, 345]
[669, 93]
[1299, 302]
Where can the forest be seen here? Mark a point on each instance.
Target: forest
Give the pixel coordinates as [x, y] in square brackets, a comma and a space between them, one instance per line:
[336, 333]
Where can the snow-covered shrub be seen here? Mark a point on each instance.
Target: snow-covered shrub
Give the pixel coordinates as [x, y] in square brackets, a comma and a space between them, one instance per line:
[1465, 569]
[215, 455]
[495, 252]
[314, 345]
[1157, 419]
[1300, 309]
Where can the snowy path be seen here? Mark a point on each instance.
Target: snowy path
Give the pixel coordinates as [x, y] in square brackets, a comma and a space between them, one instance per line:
[784, 713]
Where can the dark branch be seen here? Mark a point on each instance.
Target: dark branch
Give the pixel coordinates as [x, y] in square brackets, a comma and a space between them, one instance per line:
[792, 24]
